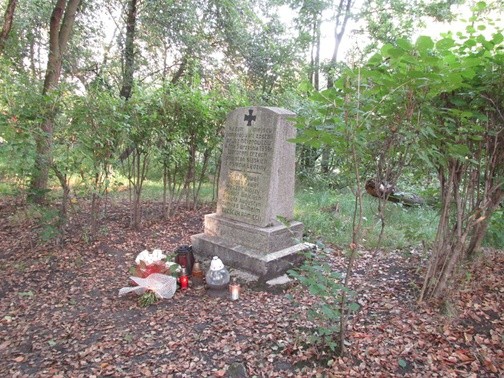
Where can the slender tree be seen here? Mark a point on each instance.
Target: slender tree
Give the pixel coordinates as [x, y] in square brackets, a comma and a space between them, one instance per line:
[61, 25]
[343, 13]
[7, 25]
[129, 50]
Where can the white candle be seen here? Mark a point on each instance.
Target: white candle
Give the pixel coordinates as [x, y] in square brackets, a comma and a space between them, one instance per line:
[235, 291]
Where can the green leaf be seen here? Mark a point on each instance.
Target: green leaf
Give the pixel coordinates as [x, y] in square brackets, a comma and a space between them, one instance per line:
[454, 78]
[445, 44]
[480, 6]
[402, 363]
[385, 49]
[353, 306]
[330, 313]
[497, 38]
[28, 294]
[305, 86]
[476, 137]
[375, 59]
[468, 73]
[424, 43]
[395, 53]
[404, 44]
[459, 150]
[470, 29]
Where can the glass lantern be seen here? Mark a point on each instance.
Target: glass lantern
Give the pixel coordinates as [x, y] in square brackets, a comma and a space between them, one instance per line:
[217, 277]
[185, 258]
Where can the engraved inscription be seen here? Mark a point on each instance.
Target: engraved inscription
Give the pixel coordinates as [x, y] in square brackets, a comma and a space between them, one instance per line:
[248, 155]
[248, 151]
[242, 196]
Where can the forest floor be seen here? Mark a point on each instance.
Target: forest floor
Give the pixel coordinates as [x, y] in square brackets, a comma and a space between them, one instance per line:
[60, 314]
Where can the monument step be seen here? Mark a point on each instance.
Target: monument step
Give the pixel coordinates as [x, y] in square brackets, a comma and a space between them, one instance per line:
[261, 239]
[264, 265]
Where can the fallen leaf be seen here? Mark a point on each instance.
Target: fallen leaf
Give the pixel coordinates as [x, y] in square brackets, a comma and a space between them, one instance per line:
[462, 356]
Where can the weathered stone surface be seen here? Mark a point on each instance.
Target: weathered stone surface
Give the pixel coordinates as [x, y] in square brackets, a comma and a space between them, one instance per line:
[252, 228]
[261, 239]
[257, 171]
[265, 266]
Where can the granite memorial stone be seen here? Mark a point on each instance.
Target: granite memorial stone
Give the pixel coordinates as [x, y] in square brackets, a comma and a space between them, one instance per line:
[252, 228]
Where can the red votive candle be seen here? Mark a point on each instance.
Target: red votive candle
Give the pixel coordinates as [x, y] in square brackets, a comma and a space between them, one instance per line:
[184, 282]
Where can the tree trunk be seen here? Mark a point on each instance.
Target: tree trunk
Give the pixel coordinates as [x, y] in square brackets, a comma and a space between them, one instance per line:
[197, 185]
[181, 70]
[325, 162]
[65, 200]
[339, 30]
[62, 22]
[138, 168]
[482, 226]
[191, 168]
[315, 54]
[129, 50]
[7, 25]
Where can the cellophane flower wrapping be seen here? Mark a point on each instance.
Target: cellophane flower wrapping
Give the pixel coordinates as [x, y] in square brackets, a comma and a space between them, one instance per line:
[162, 285]
[152, 273]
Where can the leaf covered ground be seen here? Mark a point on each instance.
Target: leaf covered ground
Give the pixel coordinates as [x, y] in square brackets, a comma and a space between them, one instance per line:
[60, 315]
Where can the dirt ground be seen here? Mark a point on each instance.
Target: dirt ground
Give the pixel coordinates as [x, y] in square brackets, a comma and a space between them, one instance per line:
[60, 314]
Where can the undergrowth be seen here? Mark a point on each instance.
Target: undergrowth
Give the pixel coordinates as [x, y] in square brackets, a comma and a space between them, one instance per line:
[327, 216]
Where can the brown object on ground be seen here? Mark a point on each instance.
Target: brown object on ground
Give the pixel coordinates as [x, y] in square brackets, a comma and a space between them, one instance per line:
[386, 191]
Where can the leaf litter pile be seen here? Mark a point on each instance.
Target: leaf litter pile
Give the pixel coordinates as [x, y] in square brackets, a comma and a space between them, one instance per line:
[61, 315]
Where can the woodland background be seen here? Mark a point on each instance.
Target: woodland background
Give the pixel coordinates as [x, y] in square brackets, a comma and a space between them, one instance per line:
[114, 107]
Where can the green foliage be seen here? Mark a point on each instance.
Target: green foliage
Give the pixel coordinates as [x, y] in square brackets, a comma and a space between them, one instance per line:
[31, 23]
[495, 234]
[327, 215]
[148, 298]
[417, 108]
[26, 294]
[21, 110]
[50, 222]
[46, 220]
[94, 135]
[412, 108]
[328, 287]
[153, 191]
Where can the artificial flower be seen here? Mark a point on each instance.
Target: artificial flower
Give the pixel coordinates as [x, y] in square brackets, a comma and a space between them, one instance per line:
[150, 257]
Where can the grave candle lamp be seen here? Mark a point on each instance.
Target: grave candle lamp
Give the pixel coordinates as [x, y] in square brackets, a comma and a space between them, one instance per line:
[184, 279]
[184, 257]
[234, 289]
[217, 277]
[197, 272]
[198, 277]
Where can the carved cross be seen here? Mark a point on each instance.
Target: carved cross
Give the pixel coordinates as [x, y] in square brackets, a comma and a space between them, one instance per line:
[249, 117]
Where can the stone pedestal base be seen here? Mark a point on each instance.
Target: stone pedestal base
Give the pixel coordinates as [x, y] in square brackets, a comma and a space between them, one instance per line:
[266, 252]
